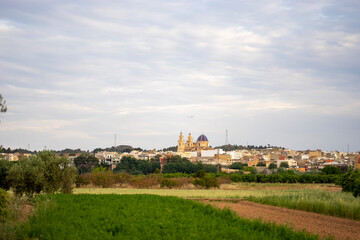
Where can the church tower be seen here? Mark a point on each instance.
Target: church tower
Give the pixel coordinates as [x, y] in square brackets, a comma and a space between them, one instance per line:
[181, 143]
[189, 142]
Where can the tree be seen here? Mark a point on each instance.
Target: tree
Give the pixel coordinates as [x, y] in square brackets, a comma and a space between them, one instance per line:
[44, 172]
[284, 165]
[86, 163]
[4, 172]
[272, 166]
[237, 165]
[350, 182]
[331, 170]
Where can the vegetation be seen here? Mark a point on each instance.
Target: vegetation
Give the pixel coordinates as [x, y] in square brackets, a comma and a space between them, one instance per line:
[272, 166]
[4, 172]
[176, 164]
[136, 167]
[237, 165]
[309, 197]
[86, 163]
[329, 203]
[285, 178]
[331, 170]
[284, 165]
[230, 147]
[350, 182]
[43, 172]
[129, 217]
[118, 149]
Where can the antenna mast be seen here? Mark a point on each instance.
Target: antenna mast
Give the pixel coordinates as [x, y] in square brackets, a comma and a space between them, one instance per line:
[115, 140]
[226, 138]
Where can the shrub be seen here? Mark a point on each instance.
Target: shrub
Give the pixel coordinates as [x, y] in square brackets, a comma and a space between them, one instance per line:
[103, 179]
[122, 178]
[3, 205]
[168, 183]
[224, 180]
[147, 181]
[206, 182]
[82, 180]
[350, 182]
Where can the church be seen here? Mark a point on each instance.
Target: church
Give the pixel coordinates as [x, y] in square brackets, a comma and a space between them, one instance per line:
[201, 143]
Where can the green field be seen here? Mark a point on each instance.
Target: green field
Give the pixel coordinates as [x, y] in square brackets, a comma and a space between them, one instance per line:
[85, 216]
[340, 204]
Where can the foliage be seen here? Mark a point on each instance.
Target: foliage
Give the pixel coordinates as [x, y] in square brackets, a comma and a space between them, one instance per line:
[148, 181]
[331, 170]
[183, 165]
[3, 205]
[272, 166]
[204, 180]
[237, 165]
[86, 163]
[43, 172]
[27, 177]
[284, 178]
[350, 182]
[104, 179]
[284, 165]
[168, 183]
[136, 167]
[82, 180]
[130, 216]
[4, 172]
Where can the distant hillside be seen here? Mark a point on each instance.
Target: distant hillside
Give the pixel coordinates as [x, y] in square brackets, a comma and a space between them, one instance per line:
[172, 149]
[118, 149]
[230, 147]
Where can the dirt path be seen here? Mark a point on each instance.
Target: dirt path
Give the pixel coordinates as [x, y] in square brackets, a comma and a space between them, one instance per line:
[315, 223]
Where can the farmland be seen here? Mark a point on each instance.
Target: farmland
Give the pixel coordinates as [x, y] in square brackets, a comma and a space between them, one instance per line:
[307, 197]
[85, 216]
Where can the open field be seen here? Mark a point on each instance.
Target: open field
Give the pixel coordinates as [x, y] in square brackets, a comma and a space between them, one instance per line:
[339, 228]
[142, 217]
[324, 199]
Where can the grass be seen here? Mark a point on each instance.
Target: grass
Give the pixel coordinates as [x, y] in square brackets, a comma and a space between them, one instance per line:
[311, 198]
[85, 216]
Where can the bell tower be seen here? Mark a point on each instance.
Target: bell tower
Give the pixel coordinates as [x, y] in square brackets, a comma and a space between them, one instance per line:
[181, 143]
[189, 142]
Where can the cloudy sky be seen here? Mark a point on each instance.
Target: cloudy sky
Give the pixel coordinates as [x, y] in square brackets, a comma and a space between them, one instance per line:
[284, 73]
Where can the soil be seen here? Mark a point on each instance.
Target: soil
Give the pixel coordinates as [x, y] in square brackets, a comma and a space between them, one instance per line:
[339, 228]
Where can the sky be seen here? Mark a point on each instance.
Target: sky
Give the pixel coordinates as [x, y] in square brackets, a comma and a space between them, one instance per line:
[284, 73]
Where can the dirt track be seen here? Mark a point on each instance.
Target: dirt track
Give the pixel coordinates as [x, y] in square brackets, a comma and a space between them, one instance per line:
[315, 223]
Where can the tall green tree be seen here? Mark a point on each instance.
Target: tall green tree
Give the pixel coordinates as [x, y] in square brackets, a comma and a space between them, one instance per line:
[86, 163]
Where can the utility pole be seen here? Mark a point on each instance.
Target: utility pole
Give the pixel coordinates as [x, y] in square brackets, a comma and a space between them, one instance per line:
[115, 140]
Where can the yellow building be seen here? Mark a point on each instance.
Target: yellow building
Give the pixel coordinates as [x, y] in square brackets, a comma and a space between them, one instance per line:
[223, 159]
[202, 143]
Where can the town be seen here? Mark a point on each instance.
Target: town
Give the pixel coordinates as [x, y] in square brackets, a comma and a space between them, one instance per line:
[264, 160]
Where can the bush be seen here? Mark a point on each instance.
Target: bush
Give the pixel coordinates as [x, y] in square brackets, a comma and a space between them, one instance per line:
[104, 179]
[168, 183]
[3, 205]
[206, 182]
[147, 181]
[122, 178]
[82, 180]
[350, 182]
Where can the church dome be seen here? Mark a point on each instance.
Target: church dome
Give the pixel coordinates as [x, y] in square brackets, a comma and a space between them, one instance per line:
[202, 138]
